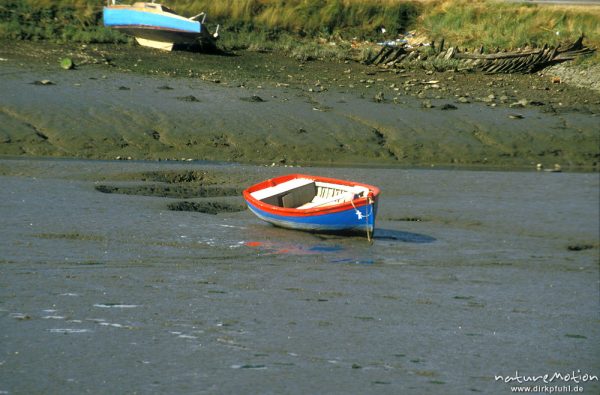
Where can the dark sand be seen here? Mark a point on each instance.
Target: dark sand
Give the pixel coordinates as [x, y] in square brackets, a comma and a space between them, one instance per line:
[264, 108]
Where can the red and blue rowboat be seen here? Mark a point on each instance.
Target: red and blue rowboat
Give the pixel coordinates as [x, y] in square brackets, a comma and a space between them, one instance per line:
[316, 204]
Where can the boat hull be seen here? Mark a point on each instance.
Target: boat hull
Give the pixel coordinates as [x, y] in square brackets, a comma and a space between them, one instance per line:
[347, 221]
[353, 216]
[154, 28]
[160, 38]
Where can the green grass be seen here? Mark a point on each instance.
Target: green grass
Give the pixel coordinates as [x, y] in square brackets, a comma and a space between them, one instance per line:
[508, 25]
[59, 21]
[310, 17]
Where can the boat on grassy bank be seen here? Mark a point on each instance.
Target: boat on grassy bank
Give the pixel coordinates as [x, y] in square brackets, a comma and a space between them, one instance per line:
[156, 26]
[315, 204]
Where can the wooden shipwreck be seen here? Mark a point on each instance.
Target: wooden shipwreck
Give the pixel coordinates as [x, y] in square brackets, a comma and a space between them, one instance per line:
[527, 60]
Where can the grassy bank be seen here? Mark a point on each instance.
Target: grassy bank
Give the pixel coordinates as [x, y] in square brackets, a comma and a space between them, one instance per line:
[509, 25]
[461, 22]
[278, 24]
[58, 21]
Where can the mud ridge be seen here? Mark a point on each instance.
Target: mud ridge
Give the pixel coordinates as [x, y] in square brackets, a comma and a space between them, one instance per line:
[171, 191]
[207, 207]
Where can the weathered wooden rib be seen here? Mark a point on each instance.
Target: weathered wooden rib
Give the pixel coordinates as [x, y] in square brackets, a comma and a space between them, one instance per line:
[521, 61]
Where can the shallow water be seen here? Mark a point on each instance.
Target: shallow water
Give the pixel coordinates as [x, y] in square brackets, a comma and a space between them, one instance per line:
[471, 275]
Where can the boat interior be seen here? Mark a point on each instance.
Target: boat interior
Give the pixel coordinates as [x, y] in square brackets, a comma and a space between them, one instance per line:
[305, 193]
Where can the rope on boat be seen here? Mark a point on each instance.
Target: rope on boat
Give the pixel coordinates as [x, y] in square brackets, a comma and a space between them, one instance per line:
[370, 204]
[366, 215]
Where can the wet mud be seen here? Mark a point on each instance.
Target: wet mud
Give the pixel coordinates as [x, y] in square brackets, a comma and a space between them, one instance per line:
[208, 207]
[177, 191]
[266, 108]
[470, 275]
[214, 192]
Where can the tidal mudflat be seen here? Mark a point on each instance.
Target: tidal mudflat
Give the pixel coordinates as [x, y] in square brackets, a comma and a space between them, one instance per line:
[104, 286]
[262, 108]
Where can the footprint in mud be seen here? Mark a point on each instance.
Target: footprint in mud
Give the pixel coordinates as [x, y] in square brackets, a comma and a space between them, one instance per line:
[581, 247]
[189, 98]
[253, 99]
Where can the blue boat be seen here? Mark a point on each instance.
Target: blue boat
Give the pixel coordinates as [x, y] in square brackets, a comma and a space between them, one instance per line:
[157, 26]
[315, 204]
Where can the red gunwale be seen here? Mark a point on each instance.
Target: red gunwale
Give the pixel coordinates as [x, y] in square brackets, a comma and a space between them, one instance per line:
[294, 212]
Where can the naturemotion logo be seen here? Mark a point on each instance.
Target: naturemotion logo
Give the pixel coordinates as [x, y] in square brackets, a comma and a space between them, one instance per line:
[575, 377]
[558, 382]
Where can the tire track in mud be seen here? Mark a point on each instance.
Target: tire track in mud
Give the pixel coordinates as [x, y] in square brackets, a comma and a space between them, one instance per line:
[379, 136]
[488, 141]
[38, 134]
[381, 140]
